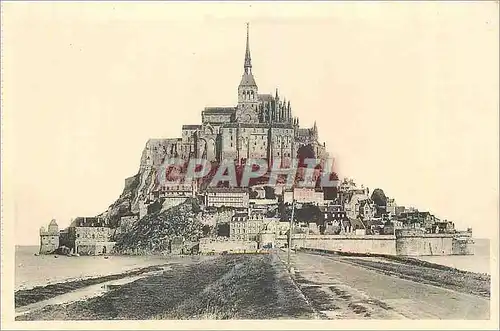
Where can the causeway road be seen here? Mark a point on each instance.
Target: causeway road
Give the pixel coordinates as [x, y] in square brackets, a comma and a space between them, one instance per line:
[340, 287]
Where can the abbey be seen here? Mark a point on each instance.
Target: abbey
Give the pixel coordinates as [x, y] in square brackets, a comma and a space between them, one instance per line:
[259, 126]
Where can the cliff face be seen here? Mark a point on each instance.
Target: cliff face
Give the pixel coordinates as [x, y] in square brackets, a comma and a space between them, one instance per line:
[138, 187]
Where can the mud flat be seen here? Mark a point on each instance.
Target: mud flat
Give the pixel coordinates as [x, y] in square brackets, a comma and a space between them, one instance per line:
[225, 287]
[41, 293]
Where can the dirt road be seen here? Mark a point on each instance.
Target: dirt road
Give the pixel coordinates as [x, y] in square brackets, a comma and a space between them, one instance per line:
[341, 288]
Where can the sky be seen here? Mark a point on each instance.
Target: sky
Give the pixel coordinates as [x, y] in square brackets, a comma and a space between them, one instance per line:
[405, 96]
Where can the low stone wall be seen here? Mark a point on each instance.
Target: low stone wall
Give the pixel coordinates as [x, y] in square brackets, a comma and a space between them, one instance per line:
[94, 248]
[210, 245]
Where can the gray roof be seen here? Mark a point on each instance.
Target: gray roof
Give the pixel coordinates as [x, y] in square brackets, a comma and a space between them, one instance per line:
[266, 97]
[191, 126]
[247, 80]
[227, 189]
[210, 110]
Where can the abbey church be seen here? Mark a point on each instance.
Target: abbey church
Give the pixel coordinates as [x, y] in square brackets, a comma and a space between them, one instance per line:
[259, 126]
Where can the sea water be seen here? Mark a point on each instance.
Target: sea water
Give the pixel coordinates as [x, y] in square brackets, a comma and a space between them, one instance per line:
[42, 270]
[479, 262]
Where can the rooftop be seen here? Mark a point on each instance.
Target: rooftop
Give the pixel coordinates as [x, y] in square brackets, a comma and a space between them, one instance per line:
[219, 110]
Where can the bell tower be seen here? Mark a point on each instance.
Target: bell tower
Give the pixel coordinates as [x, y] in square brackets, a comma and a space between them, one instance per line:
[248, 99]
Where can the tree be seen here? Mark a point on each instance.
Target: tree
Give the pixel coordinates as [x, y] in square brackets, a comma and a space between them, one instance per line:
[379, 198]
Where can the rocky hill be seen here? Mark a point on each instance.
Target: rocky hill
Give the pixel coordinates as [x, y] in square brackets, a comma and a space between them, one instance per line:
[154, 231]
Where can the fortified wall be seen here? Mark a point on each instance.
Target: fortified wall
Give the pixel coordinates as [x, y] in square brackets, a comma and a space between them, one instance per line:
[414, 242]
[408, 242]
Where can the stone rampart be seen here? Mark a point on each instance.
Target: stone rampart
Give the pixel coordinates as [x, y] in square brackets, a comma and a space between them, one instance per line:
[408, 242]
[367, 244]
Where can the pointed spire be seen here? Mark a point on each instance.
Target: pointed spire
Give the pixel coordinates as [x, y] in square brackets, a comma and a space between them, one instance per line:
[289, 110]
[284, 111]
[248, 58]
[247, 79]
[315, 128]
[277, 97]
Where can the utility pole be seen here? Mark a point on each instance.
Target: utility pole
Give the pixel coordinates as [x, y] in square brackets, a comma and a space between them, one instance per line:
[290, 235]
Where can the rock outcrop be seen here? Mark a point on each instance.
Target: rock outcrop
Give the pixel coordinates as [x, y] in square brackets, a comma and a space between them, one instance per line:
[153, 232]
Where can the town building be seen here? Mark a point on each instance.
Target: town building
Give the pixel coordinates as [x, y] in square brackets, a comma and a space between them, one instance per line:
[304, 195]
[90, 236]
[226, 197]
[359, 204]
[335, 220]
[250, 227]
[173, 194]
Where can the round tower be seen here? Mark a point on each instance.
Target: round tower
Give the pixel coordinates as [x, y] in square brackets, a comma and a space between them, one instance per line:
[409, 242]
[49, 240]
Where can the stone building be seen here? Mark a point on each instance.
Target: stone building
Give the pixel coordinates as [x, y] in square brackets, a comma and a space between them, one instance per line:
[173, 194]
[335, 220]
[359, 204]
[227, 197]
[49, 239]
[90, 236]
[304, 195]
[238, 226]
[250, 227]
[258, 126]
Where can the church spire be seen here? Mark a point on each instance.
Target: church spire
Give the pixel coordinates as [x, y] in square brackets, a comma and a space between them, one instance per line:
[248, 58]
[247, 78]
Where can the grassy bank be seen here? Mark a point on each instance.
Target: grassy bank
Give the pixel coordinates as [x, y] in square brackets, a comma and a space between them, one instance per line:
[231, 286]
